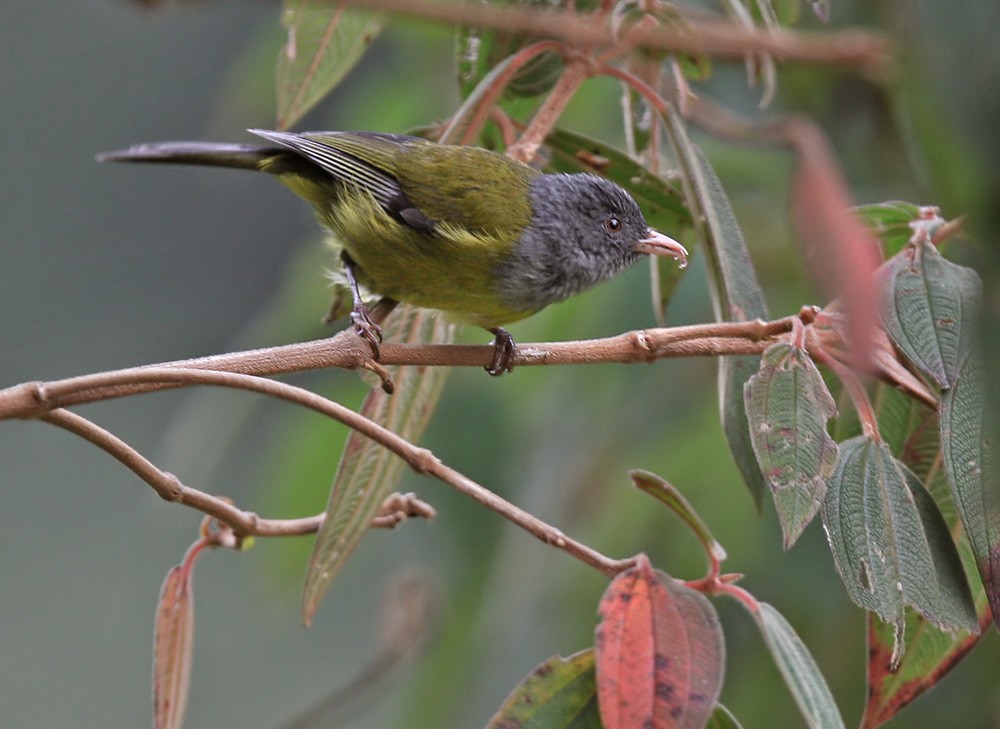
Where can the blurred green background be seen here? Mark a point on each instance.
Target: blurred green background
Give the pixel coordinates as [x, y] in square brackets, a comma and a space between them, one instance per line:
[104, 267]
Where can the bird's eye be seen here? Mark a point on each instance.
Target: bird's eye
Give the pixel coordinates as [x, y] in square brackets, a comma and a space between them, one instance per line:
[612, 223]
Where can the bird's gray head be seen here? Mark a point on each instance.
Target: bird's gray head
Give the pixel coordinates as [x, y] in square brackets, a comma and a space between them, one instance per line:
[584, 230]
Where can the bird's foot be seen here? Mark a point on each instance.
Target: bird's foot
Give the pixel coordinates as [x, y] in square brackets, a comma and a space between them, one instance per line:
[367, 328]
[503, 352]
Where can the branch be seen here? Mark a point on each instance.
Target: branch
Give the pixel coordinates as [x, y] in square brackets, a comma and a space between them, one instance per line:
[347, 350]
[854, 48]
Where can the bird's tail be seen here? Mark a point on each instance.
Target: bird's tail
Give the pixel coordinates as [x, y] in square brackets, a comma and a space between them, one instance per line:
[212, 154]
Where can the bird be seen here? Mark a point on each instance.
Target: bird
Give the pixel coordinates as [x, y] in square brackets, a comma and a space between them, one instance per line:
[475, 234]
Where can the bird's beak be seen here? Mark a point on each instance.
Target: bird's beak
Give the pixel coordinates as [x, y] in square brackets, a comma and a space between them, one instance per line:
[658, 244]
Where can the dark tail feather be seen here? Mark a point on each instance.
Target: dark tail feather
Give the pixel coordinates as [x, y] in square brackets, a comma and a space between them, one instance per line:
[213, 154]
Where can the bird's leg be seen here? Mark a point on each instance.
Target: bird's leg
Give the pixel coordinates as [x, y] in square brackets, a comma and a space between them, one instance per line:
[367, 328]
[503, 352]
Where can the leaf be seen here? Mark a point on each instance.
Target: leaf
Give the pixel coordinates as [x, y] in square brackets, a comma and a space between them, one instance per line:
[797, 667]
[736, 294]
[665, 492]
[368, 472]
[324, 42]
[660, 653]
[890, 221]
[889, 542]
[722, 718]
[968, 430]
[788, 405]
[930, 655]
[173, 639]
[928, 307]
[560, 694]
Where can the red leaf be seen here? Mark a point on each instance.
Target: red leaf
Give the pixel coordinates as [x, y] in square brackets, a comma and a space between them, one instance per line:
[660, 653]
[172, 643]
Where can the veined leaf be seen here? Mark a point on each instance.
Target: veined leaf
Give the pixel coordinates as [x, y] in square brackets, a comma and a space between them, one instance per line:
[560, 694]
[736, 294]
[660, 653]
[929, 309]
[368, 472]
[797, 667]
[788, 405]
[324, 42]
[889, 542]
[970, 464]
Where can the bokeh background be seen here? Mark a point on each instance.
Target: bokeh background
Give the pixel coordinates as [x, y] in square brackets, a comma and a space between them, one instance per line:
[104, 267]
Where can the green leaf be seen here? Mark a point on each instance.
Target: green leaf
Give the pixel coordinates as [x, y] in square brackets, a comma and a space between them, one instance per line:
[797, 667]
[560, 694]
[665, 492]
[736, 294]
[788, 405]
[893, 682]
[929, 307]
[722, 718]
[890, 221]
[971, 467]
[889, 541]
[324, 42]
[368, 472]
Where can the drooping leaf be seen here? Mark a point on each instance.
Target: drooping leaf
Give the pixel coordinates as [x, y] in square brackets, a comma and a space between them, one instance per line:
[788, 405]
[799, 669]
[970, 464]
[173, 640]
[560, 694]
[660, 653]
[929, 309]
[736, 294]
[890, 221]
[368, 472]
[324, 42]
[889, 542]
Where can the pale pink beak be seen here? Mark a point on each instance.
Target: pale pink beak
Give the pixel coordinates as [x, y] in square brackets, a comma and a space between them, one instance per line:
[658, 244]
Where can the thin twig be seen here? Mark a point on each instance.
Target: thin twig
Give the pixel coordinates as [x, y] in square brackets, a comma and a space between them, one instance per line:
[419, 459]
[725, 39]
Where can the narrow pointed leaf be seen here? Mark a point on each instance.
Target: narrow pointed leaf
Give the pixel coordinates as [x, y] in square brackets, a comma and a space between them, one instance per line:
[970, 464]
[560, 694]
[368, 472]
[889, 542]
[660, 653]
[736, 294]
[929, 309]
[324, 42]
[788, 405]
[665, 492]
[797, 667]
[173, 640]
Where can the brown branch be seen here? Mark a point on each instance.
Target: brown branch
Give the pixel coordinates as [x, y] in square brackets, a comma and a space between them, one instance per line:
[419, 459]
[865, 50]
[395, 509]
[347, 350]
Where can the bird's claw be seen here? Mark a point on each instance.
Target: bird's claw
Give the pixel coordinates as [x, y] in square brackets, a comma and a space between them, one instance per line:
[367, 328]
[503, 353]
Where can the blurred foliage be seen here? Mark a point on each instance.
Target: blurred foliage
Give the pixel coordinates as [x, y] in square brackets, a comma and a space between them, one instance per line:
[560, 442]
